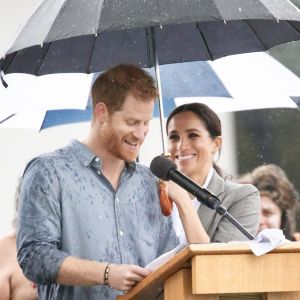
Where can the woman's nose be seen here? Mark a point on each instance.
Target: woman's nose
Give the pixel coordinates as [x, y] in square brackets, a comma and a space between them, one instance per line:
[182, 144]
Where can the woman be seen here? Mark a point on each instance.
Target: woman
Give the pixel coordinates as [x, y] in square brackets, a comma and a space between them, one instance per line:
[194, 139]
[279, 199]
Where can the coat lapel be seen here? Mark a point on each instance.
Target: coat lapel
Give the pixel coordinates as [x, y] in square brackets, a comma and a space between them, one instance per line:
[216, 187]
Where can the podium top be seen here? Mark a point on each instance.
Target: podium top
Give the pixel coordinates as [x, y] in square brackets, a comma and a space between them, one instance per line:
[153, 284]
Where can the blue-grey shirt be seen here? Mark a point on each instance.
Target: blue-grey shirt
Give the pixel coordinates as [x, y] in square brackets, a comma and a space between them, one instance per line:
[69, 208]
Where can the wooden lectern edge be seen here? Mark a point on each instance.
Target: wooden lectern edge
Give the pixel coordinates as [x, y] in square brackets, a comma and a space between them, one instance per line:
[156, 279]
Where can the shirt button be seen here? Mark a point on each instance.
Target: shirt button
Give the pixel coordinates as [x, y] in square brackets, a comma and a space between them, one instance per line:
[97, 159]
[121, 233]
[98, 172]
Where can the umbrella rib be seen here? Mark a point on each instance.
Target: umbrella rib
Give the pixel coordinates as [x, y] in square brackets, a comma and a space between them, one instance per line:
[44, 58]
[204, 40]
[293, 26]
[150, 47]
[88, 71]
[8, 117]
[265, 47]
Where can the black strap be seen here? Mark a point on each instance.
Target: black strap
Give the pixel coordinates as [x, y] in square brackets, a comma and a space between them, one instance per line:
[2, 79]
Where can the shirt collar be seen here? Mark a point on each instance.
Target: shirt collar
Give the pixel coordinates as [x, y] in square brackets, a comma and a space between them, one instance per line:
[88, 158]
[208, 178]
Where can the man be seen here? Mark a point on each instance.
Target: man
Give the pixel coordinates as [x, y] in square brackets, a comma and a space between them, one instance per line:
[90, 218]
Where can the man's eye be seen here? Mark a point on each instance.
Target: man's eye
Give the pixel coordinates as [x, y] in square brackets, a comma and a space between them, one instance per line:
[131, 122]
[173, 137]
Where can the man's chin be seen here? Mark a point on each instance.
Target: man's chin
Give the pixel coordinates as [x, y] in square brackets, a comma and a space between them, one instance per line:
[129, 157]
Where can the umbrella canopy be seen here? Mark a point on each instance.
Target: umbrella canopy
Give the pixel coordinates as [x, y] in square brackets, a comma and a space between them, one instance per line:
[241, 82]
[56, 105]
[72, 36]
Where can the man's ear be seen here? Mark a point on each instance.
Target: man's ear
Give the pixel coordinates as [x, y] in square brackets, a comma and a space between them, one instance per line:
[101, 112]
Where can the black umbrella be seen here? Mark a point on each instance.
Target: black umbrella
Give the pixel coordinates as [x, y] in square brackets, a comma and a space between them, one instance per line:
[76, 36]
[90, 36]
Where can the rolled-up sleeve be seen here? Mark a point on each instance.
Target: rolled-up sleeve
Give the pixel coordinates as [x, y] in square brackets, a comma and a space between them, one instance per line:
[39, 223]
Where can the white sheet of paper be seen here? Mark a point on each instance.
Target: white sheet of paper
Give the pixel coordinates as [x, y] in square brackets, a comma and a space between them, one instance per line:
[159, 261]
[267, 240]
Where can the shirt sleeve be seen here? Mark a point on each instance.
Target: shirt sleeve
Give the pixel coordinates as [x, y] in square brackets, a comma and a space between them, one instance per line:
[39, 223]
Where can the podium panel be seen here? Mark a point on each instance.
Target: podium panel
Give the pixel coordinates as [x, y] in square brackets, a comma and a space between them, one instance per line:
[243, 273]
[179, 287]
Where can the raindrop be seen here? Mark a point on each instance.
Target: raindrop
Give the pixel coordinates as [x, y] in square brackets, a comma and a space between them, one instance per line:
[240, 9]
[224, 21]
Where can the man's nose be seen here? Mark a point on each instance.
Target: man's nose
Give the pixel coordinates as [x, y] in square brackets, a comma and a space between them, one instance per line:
[141, 131]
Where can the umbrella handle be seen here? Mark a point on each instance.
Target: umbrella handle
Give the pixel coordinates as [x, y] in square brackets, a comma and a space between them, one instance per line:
[166, 204]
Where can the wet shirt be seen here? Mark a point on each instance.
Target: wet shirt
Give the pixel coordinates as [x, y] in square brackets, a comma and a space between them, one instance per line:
[69, 208]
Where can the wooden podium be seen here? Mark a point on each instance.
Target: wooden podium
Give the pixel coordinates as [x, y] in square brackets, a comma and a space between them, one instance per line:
[224, 271]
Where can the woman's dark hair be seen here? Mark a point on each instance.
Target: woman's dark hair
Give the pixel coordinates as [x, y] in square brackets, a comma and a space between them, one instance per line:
[209, 118]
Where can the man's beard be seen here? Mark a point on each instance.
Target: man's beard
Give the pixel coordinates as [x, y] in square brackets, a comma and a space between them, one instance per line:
[113, 144]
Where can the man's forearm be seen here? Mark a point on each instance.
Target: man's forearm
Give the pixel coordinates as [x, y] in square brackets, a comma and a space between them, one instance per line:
[80, 272]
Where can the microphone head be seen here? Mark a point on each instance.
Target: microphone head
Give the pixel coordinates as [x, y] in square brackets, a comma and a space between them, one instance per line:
[161, 166]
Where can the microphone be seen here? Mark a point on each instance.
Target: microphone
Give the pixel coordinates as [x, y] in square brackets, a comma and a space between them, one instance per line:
[165, 169]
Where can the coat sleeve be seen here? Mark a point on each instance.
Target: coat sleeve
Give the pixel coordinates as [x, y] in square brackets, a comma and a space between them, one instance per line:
[244, 206]
[39, 223]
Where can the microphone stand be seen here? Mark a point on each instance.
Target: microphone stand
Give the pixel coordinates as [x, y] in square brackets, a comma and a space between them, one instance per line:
[221, 210]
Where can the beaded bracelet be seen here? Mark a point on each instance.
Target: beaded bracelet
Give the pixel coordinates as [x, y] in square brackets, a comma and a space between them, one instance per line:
[106, 273]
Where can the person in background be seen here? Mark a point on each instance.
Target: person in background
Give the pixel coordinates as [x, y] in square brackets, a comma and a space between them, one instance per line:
[13, 284]
[194, 140]
[90, 219]
[279, 199]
